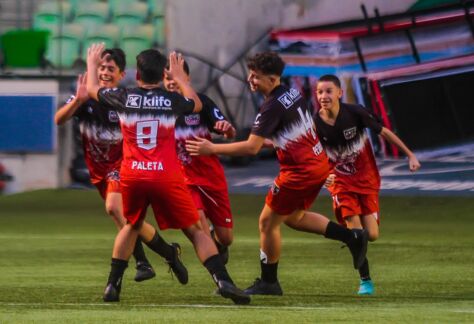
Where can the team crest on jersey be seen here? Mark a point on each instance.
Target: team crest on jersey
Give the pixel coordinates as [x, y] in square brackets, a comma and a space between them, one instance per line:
[113, 116]
[192, 120]
[350, 133]
[275, 189]
[134, 101]
[217, 113]
[288, 98]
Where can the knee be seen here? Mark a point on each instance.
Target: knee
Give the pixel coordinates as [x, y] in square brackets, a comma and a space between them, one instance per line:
[373, 235]
[226, 240]
[265, 225]
[113, 211]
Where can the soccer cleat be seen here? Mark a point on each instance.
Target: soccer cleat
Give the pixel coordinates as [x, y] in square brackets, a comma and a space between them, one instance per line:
[144, 271]
[366, 287]
[229, 290]
[261, 287]
[111, 293]
[358, 246]
[177, 266]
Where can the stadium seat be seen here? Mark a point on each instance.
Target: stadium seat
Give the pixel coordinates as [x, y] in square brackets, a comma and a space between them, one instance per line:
[135, 39]
[23, 48]
[51, 13]
[91, 13]
[127, 13]
[71, 30]
[159, 31]
[156, 7]
[108, 34]
[63, 51]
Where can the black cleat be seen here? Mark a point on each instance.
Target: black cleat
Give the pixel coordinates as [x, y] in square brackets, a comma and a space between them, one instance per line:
[358, 246]
[177, 266]
[229, 290]
[144, 271]
[111, 293]
[261, 287]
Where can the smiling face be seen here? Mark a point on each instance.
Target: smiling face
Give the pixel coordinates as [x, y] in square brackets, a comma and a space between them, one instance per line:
[328, 95]
[260, 82]
[109, 74]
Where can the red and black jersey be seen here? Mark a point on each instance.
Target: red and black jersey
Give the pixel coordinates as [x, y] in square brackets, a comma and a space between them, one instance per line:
[286, 119]
[101, 139]
[349, 150]
[200, 170]
[147, 119]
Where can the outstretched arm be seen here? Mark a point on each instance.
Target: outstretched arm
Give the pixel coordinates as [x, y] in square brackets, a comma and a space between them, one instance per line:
[67, 111]
[394, 139]
[94, 57]
[201, 146]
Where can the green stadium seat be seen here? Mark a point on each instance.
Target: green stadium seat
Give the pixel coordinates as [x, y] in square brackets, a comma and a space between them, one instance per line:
[159, 31]
[51, 13]
[108, 34]
[134, 13]
[91, 13]
[71, 30]
[135, 40]
[23, 48]
[63, 51]
[156, 7]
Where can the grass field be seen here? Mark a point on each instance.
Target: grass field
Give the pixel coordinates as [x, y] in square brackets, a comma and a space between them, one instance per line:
[55, 250]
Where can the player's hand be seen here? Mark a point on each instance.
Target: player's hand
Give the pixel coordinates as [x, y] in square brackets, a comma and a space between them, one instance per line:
[176, 70]
[226, 128]
[413, 163]
[330, 180]
[81, 88]
[94, 54]
[199, 146]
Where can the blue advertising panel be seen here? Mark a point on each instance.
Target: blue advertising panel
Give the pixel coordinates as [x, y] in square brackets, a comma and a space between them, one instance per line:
[26, 123]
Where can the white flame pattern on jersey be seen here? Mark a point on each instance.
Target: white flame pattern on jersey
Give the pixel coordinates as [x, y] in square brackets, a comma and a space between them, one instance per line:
[166, 121]
[292, 134]
[187, 132]
[101, 134]
[347, 152]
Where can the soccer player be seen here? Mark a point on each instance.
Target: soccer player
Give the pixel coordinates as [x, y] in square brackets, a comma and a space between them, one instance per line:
[204, 175]
[102, 145]
[285, 119]
[150, 171]
[355, 187]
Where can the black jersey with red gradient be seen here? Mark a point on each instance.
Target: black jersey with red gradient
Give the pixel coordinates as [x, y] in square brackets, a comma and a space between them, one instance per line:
[348, 148]
[286, 119]
[147, 119]
[200, 170]
[101, 140]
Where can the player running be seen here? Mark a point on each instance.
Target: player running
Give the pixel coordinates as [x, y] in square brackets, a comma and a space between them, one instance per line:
[356, 185]
[285, 119]
[204, 175]
[150, 170]
[102, 145]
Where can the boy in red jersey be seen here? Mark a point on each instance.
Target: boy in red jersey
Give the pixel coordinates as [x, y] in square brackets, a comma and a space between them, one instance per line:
[355, 182]
[204, 175]
[102, 145]
[285, 119]
[150, 171]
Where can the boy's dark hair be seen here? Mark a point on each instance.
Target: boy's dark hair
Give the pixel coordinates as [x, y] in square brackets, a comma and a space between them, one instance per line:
[185, 67]
[330, 78]
[269, 63]
[151, 65]
[116, 55]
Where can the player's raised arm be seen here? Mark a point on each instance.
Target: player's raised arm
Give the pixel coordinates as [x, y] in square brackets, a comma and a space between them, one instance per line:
[201, 146]
[94, 57]
[177, 73]
[67, 111]
[413, 162]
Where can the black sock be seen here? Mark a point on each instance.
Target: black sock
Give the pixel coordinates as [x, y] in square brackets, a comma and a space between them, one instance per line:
[338, 232]
[364, 270]
[217, 269]
[220, 247]
[269, 272]
[138, 252]
[117, 268]
[158, 245]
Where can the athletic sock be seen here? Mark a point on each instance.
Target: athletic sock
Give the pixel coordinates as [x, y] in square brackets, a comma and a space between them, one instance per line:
[364, 270]
[138, 252]
[217, 269]
[269, 272]
[338, 232]
[117, 268]
[158, 245]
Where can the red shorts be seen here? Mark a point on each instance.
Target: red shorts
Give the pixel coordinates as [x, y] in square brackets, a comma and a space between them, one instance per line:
[214, 203]
[284, 201]
[111, 183]
[171, 202]
[346, 204]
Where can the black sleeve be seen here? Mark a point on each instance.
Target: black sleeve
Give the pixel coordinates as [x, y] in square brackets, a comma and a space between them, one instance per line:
[368, 119]
[211, 112]
[267, 121]
[116, 98]
[182, 105]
